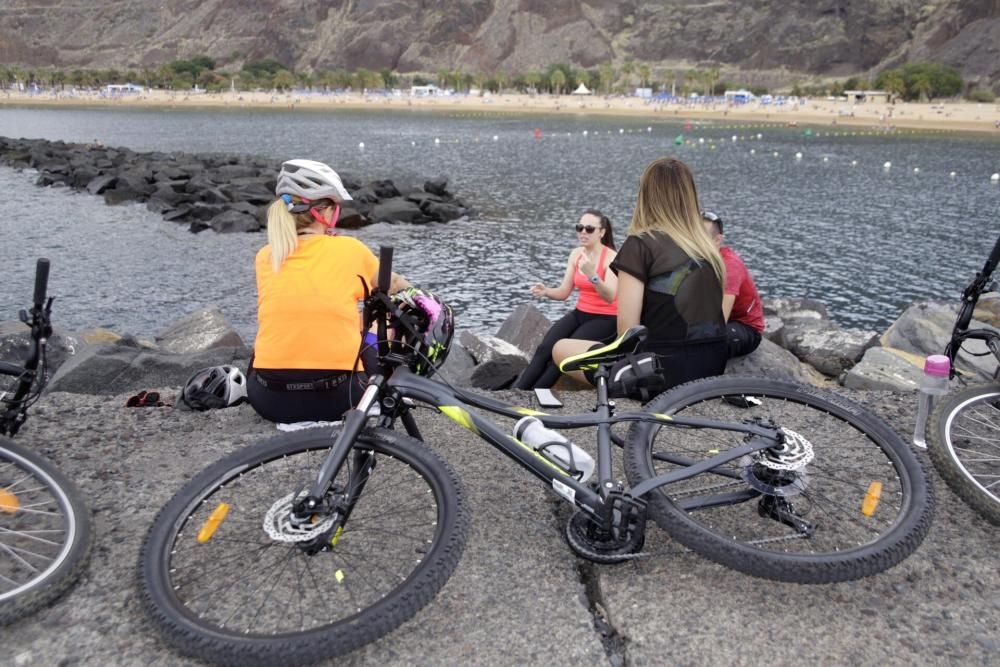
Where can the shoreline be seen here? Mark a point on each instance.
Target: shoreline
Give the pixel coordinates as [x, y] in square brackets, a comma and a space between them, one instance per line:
[949, 116]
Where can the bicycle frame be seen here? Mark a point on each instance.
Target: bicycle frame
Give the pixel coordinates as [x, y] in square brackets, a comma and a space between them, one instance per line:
[970, 298]
[459, 406]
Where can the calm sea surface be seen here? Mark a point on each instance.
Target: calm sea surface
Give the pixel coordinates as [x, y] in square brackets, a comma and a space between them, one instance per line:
[833, 225]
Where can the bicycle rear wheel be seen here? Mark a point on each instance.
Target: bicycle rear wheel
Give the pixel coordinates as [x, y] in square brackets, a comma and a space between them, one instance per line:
[964, 445]
[850, 502]
[225, 588]
[45, 532]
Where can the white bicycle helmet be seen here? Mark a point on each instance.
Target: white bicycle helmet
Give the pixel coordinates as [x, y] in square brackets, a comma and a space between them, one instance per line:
[310, 180]
[215, 387]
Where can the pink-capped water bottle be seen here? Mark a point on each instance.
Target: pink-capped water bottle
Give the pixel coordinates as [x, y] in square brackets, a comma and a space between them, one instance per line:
[934, 383]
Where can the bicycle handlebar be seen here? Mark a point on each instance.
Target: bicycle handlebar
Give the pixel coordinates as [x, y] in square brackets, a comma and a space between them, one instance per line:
[41, 281]
[384, 267]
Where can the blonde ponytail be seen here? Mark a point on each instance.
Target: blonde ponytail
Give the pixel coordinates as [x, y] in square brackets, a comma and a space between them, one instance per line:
[282, 231]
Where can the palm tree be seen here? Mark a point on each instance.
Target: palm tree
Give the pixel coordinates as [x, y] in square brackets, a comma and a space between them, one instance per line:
[284, 80]
[628, 67]
[711, 76]
[444, 78]
[921, 86]
[644, 75]
[606, 72]
[533, 78]
[894, 84]
[558, 80]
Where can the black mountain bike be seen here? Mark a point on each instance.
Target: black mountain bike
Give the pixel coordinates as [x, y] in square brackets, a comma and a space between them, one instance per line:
[312, 544]
[963, 433]
[45, 527]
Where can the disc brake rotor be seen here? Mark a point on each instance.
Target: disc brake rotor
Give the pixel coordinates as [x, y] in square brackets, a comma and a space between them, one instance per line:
[779, 471]
[279, 526]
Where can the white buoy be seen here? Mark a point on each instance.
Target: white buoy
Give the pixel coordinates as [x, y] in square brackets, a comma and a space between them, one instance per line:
[361, 145]
[753, 151]
[995, 178]
[733, 138]
[760, 136]
[649, 129]
[584, 133]
[826, 159]
[496, 138]
[621, 131]
[775, 153]
[916, 170]
[951, 174]
[887, 165]
[854, 163]
[413, 143]
[701, 140]
[798, 156]
[437, 140]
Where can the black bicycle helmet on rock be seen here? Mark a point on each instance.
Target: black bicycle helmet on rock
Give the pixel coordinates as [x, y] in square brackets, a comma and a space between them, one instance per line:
[310, 180]
[426, 331]
[215, 387]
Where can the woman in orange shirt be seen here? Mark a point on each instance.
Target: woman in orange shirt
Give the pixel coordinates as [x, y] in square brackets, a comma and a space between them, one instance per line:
[309, 282]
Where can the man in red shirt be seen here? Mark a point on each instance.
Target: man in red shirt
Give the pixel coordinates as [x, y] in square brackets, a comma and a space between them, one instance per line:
[741, 304]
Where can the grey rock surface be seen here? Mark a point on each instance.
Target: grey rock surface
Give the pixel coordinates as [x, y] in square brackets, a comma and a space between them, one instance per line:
[519, 595]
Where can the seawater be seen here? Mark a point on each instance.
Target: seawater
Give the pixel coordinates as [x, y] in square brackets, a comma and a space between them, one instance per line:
[834, 225]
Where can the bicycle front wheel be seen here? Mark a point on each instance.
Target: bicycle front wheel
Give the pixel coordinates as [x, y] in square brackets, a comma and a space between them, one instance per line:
[964, 444]
[846, 500]
[45, 532]
[226, 584]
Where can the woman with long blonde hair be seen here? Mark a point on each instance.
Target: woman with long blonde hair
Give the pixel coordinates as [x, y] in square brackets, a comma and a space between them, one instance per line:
[309, 282]
[670, 278]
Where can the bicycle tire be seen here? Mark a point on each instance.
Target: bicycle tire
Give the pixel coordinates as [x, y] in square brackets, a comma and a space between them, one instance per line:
[174, 578]
[37, 499]
[949, 433]
[826, 493]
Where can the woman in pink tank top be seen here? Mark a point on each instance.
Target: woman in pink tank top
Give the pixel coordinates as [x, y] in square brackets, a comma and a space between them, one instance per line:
[596, 311]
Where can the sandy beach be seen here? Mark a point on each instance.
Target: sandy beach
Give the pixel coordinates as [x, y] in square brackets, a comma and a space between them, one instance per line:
[958, 116]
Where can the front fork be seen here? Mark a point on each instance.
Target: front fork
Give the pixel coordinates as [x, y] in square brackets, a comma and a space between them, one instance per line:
[354, 422]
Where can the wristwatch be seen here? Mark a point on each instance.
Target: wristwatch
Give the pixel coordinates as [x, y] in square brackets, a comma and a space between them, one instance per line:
[594, 279]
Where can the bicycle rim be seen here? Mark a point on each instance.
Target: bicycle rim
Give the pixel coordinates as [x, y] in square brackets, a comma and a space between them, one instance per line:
[45, 532]
[965, 447]
[239, 596]
[856, 503]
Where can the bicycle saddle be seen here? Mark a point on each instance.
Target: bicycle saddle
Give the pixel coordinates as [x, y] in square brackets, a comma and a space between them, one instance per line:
[606, 354]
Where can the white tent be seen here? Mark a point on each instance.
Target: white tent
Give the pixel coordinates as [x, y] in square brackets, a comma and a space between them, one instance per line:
[581, 90]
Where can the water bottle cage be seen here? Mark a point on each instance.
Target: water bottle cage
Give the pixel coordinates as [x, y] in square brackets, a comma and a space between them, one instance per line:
[572, 469]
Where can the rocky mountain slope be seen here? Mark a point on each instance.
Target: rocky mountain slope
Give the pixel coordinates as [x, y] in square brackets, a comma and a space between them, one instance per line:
[776, 38]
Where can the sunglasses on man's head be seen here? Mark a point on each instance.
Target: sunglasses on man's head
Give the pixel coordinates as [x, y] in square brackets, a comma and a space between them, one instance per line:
[711, 217]
[590, 229]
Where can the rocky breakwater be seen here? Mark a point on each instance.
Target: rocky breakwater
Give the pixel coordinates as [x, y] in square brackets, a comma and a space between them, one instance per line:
[801, 343]
[227, 193]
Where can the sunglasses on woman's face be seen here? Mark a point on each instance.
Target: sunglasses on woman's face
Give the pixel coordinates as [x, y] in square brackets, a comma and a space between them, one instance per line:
[590, 229]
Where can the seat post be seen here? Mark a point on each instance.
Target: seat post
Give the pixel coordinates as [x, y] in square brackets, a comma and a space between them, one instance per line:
[603, 410]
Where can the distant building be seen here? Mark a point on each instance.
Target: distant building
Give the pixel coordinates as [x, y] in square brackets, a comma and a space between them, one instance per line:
[123, 89]
[424, 91]
[644, 93]
[740, 96]
[867, 95]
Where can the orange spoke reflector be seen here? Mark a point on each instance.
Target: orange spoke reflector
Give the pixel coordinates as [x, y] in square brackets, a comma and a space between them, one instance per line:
[212, 523]
[9, 502]
[870, 503]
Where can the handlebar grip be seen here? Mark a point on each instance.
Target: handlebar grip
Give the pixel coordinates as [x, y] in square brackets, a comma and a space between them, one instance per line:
[41, 280]
[10, 369]
[384, 267]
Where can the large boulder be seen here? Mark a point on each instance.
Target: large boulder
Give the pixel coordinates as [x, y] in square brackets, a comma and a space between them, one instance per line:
[828, 348]
[15, 344]
[771, 361]
[925, 328]
[231, 221]
[201, 330]
[885, 368]
[524, 328]
[498, 363]
[121, 367]
[398, 210]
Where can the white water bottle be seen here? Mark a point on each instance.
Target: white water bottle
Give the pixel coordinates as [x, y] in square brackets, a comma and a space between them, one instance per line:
[554, 446]
[934, 383]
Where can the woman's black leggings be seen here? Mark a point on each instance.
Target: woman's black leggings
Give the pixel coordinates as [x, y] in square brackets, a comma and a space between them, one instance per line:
[541, 370]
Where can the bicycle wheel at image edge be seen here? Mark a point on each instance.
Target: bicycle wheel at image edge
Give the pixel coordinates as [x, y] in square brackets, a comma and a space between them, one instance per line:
[848, 501]
[224, 588]
[964, 445]
[46, 532]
